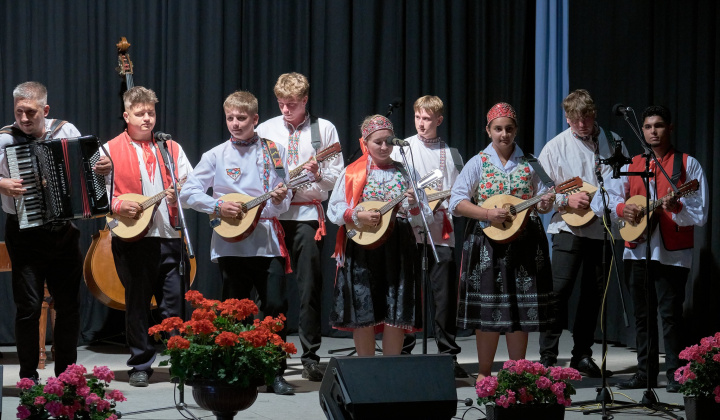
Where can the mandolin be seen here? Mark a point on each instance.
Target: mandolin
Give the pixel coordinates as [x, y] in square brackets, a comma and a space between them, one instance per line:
[580, 217]
[323, 155]
[235, 229]
[133, 229]
[435, 198]
[518, 212]
[372, 237]
[631, 230]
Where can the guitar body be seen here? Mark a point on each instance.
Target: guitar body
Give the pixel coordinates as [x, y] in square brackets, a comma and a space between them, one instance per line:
[630, 230]
[580, 217]
[101, 275]
[508, 230]
[234, 229]
[127, 228]
[371, 237]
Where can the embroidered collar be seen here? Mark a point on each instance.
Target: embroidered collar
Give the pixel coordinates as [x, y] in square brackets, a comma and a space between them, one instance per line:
[292, 128]
[429, 141]
[591, 137]
[382, 165]
[248, 142]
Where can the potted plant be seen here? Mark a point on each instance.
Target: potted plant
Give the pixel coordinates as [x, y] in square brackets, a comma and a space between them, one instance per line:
[525, 389]
[221, 353]
[70, 396]
[700, 379]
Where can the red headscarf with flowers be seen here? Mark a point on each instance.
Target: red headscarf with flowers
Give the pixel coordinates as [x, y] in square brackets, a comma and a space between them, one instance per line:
[501, 109]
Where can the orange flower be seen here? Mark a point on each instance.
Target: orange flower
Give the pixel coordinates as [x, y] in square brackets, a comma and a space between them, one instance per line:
[226, 339]
[167, 325]
[210, 304]
[194, 297]
[202, 326]
[239, 309]
[177, 342]
[202, 313]
[289, 348]
[255, 337]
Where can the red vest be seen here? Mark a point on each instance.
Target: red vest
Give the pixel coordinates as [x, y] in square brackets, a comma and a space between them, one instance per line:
[127, 177]
[674, 237]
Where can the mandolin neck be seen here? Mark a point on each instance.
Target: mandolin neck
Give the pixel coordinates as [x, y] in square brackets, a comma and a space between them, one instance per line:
[392, 203]
[438, 195]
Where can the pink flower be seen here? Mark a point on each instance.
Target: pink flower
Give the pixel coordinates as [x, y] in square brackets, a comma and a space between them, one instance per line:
[40, 400]
[55, 408]
[25, 383]
[103, 405]
[525, 396]
[543, 382]
[23, 412]
[74, 375]
[486, 387]
[54, 386]
[115, 395]
[716, 392]
[103, 373]
[502, 401]
[112, 417]
[83, 391]
[716, 357]
[92, 399]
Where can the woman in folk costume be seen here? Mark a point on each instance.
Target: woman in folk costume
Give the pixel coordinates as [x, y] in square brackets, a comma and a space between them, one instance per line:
[504, 288]
[376, 290]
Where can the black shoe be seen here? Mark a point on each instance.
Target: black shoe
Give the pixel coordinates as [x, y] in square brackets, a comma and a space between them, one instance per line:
[139, 378]
[459, 371]
[312, 372]
[636, 382]
[587, 366]
[548, 361]
[280, 386]
[672, 386]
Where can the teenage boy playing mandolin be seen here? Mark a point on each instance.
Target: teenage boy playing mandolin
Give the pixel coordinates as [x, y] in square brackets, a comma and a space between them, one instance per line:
[249, 165]
[147, 267]
[671, 250]
[303, 136]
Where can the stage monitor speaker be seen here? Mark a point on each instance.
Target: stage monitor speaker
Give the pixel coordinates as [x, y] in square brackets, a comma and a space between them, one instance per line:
[389, 387]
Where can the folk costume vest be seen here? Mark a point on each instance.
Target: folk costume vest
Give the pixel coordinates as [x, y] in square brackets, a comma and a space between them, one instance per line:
[127, 169]
[674, 237]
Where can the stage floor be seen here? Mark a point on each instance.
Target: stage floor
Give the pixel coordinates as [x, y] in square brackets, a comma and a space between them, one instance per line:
[304, 405]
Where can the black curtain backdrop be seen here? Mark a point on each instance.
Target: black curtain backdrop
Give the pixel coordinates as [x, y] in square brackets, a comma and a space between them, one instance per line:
[667, 53]
[358, 56]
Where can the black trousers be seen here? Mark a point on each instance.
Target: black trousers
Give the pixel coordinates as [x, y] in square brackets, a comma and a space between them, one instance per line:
[443, 300]
[573, 255]
[665, 294]
[42, 256]
[305, 259]
[147, 268]
[267, 275]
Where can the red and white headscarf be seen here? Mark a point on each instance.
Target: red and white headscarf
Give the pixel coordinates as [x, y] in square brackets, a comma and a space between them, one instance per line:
[501, 109]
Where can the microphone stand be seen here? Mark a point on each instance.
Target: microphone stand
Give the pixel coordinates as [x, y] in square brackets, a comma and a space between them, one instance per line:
[650, 399]
[424, 260]
[180, 405]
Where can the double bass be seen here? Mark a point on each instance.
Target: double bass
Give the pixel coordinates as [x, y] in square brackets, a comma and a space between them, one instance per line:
[99, 269]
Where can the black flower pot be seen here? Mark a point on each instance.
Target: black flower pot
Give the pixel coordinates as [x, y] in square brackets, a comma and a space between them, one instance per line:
[701, 408]
[222, 399]
[525, 412]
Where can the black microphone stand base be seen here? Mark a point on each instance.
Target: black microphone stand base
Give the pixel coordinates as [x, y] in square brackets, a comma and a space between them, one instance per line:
[649, 401]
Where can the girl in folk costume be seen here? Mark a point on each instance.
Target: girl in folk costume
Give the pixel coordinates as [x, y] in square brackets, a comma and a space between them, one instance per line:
[504, 288]
[376, 290]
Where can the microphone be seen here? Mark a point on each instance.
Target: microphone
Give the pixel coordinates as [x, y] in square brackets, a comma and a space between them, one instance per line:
[160, 136]
[617, 160]
[396, 103]
[620, 109]
[394, 141]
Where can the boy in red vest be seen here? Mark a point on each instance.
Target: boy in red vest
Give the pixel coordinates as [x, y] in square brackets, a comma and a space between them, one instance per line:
[671, 243]
[147, 267]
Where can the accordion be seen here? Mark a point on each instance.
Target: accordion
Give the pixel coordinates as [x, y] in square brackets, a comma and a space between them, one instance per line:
[59, 180]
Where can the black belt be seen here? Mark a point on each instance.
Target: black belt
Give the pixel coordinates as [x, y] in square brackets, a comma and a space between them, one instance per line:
[50, 226]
